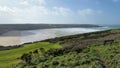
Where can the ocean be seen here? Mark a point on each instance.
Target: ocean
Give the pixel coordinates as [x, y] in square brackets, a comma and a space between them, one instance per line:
[12, 38]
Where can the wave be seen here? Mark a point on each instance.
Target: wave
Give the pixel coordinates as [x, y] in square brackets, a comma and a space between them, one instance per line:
[42, 34]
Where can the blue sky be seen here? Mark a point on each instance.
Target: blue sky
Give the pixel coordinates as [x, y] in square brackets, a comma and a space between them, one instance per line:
[60, 11]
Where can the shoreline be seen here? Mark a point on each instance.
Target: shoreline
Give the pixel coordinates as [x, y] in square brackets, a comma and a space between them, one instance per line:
[56, 39]
[13, 38]
[62, 39]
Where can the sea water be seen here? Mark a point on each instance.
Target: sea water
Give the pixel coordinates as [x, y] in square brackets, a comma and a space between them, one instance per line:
[25, 36]
[42, 34]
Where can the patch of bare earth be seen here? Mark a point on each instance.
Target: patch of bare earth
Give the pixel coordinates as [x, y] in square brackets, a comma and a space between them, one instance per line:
[89, 41]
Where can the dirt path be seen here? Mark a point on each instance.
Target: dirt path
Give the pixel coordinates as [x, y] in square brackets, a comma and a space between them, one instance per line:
[89, 41]
[105, 65]
[104, 62]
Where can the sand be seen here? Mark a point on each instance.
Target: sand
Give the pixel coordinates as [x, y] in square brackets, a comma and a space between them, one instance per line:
[12, 38]
[9, 40]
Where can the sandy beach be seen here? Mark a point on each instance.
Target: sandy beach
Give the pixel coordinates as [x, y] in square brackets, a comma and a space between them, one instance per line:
[9, 41]
[12, 38]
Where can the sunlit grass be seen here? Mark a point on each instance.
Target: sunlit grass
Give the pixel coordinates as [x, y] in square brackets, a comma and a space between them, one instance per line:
[9, 57]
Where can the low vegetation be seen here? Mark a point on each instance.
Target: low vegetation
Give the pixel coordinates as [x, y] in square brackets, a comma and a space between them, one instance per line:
[93, 56]
[10, 57]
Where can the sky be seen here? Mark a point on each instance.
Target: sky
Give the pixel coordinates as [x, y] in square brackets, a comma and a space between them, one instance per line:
[59, 11]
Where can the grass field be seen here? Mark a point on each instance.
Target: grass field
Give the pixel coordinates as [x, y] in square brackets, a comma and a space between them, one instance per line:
[9, 57]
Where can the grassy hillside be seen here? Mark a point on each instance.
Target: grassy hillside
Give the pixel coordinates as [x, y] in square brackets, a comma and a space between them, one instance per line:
[93, 56]
[9, 57]
[76, 51]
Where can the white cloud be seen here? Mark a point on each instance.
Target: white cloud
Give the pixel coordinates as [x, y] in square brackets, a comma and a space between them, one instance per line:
[87, 12]
[37, 12]
[15, 15]
[27, 2]
[41, 1]
[24, 2]
[32, 11]
[33, 14]
[61, 11]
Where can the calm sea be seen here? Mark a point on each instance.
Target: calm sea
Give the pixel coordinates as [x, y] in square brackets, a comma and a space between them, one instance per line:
[25, 36]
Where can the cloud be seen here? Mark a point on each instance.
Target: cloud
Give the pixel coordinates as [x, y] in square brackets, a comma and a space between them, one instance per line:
[88, 12]
[33, 11]
[27, 2]
[14, 14]
[24, 2]
[33, 14]
[36, 11]
[61, 11]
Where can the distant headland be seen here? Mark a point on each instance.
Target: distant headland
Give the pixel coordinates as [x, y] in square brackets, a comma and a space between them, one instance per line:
[44, 26]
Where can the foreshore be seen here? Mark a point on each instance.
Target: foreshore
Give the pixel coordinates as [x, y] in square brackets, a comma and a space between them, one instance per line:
[9, 41]
[13, 38]
[77, 39]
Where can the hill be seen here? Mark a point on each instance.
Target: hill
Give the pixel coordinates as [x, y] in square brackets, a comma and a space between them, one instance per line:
[43, 26]
[17, 27]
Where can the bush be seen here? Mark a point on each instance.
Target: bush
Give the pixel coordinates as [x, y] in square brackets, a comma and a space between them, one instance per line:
[27, 58]
[55, 63]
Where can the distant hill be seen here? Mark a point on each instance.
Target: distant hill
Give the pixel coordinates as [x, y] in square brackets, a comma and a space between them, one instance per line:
[10, 27]
[43, 26]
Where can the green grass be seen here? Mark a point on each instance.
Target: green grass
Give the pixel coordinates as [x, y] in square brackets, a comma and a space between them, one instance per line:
[115, 30]
[9, 57]
[93, 56]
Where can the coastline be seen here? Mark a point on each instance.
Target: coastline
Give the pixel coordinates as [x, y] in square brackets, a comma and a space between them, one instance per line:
[62, 39]
[13, 38]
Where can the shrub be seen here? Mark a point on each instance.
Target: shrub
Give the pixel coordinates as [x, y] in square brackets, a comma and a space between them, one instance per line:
[55, 63]
[27, 58]
[35, 51]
